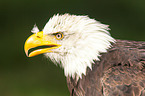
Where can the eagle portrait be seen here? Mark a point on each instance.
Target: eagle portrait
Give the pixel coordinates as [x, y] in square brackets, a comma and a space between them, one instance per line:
[94, 63]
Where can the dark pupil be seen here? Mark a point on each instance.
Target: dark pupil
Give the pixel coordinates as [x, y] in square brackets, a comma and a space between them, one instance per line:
[59, 35]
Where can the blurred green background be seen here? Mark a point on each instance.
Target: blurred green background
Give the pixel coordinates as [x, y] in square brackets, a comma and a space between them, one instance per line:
[37, 76]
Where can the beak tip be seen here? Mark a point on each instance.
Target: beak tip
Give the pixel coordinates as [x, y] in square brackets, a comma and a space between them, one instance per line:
[27, 55]
[26, 52]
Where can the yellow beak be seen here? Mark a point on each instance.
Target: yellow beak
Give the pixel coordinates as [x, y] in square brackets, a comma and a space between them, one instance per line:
[38, 43]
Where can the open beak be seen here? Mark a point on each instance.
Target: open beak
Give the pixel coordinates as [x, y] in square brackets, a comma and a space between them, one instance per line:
[38, 43]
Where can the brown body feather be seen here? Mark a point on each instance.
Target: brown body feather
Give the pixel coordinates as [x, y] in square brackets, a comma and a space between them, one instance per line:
[120, 72]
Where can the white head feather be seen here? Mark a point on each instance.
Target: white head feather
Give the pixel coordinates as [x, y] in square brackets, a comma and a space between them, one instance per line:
[84, 40]
[35, 29]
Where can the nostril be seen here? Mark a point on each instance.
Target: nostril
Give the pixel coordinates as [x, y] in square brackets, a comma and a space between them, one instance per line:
[38, 37]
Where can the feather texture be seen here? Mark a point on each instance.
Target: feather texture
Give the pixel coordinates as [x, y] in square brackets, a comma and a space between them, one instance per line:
[35, 29]
[94, 63]
[120, 72]
[84, 40]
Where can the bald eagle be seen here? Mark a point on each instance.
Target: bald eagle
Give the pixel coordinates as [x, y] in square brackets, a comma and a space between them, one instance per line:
[94, 63]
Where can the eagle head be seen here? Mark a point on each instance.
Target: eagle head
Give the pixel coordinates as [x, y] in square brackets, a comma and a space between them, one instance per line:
[71, 41]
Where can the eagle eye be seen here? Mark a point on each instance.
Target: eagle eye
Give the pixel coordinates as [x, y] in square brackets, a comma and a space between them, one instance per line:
[58, 35]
